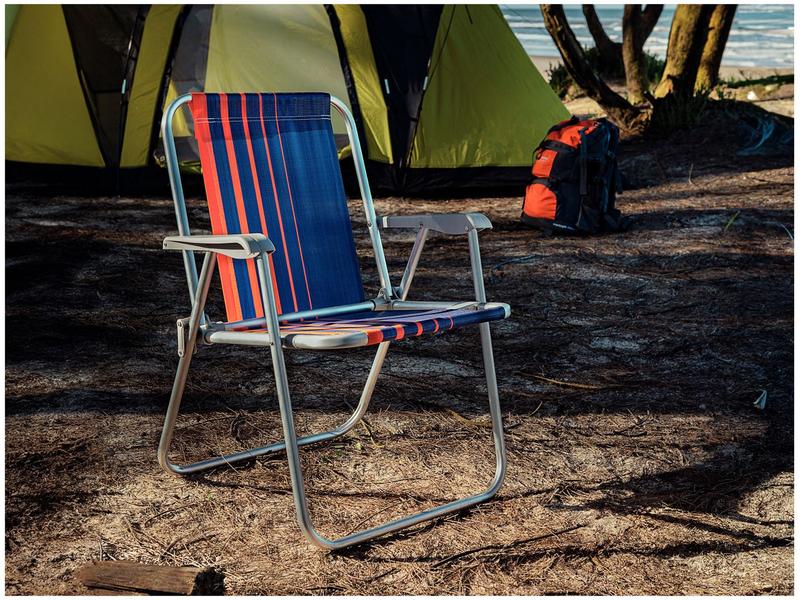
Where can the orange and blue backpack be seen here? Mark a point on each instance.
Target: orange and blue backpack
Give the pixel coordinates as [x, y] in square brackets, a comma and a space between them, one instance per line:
[575, 180]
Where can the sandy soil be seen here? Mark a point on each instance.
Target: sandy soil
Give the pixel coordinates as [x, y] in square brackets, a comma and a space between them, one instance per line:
[545, 63]
[773, 97]
[628, 371]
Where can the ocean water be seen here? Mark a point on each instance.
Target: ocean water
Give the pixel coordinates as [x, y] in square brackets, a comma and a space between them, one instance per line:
[762, 34]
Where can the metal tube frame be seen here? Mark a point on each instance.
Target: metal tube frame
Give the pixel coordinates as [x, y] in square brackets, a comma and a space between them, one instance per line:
[198, 289]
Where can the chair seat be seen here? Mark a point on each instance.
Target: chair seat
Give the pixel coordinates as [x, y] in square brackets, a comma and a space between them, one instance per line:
[367, 328]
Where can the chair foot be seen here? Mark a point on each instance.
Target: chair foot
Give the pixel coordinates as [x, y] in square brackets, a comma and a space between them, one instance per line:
[398, 524]
[235, 457]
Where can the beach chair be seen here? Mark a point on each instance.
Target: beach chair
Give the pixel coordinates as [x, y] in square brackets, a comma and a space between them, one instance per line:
[283, 245]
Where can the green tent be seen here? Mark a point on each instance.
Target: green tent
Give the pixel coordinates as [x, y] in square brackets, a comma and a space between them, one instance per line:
[444, 96]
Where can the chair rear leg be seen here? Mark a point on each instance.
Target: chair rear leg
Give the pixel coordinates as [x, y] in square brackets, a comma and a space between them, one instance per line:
[209, 262]
[180, 384]
[494, 409]
[217, 461]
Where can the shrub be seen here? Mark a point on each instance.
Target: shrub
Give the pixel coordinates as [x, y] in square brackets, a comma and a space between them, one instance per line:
[565, 87]
[677, 111]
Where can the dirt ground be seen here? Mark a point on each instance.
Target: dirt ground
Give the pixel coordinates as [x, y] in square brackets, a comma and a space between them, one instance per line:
[628, 370]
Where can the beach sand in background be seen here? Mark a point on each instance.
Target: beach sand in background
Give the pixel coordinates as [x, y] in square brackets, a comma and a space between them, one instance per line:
[779, 99]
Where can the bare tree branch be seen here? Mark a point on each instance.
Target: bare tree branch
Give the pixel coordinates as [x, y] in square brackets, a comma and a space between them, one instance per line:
[610, 51]
[620, 110]
[687, 38]
[632, 54]
[719, 27]
[650, 16]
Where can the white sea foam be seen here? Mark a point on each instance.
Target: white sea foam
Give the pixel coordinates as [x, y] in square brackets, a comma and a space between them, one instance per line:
[762, 35]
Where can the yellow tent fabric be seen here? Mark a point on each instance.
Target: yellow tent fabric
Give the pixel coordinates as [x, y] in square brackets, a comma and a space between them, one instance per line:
[285, 48]
[46, 116]
[180, 125]
[147, 83]
[368, 87]
[486, 103]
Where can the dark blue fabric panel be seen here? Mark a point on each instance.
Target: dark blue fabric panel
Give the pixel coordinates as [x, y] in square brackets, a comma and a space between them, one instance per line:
[286, 205]
[270, 201]
[298, 180]
[319, 203]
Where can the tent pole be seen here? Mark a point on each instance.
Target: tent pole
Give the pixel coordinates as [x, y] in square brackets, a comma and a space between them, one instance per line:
[177, 33]
[349, 80]
[134, 42]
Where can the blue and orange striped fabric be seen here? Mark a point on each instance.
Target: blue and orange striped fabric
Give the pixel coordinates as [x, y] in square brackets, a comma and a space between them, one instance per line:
[270, 166]
[367, 328]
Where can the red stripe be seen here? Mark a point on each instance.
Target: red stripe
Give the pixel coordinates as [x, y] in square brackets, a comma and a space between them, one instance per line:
[264, 229]
[277, 202]
[238, 195]
[199, 107]
[374, 336]
[291, 202]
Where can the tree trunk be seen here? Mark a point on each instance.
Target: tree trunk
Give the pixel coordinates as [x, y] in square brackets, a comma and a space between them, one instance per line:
[632, 54]
[687, 37]
[650, 16]
[620, 110]
[610, 51]
[719, 28]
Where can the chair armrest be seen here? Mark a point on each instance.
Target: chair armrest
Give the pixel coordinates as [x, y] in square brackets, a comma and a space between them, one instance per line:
[449, 223]
[245, 245]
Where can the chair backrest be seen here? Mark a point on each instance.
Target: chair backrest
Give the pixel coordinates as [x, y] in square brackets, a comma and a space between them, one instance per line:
[270, 166]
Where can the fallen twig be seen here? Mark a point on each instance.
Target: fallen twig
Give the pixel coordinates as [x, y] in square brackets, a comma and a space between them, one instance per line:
[380, 575]
[514, 544]
[169, 510]
[730, 221]
[189, 542]
[583, 386]
[461, 418]
[499, 266]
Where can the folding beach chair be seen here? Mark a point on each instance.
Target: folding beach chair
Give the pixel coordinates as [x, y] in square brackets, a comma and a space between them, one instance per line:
[283, 243]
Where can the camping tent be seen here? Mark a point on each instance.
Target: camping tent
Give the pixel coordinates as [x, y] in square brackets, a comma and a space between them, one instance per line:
[443, 96]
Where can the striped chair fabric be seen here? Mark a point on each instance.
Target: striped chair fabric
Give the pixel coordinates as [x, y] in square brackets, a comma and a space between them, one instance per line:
[270, 166]
[373, 327]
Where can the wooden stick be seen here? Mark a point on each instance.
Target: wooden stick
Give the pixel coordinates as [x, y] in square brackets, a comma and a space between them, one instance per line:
[129, 576]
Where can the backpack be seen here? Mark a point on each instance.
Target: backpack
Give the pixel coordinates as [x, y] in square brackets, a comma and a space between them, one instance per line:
[575, 180]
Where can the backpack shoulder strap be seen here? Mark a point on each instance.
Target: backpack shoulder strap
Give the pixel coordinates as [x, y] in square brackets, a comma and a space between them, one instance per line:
[573, 120]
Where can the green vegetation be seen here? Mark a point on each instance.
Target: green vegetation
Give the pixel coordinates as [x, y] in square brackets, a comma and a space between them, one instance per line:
[772, 79]
[563, 84]
[677, 111]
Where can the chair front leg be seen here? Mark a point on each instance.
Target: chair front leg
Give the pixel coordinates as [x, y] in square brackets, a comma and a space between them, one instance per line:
[296, 473]
[292, 446]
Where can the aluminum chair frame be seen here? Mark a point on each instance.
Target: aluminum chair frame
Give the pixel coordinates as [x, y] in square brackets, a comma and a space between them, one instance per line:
[197, 328]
